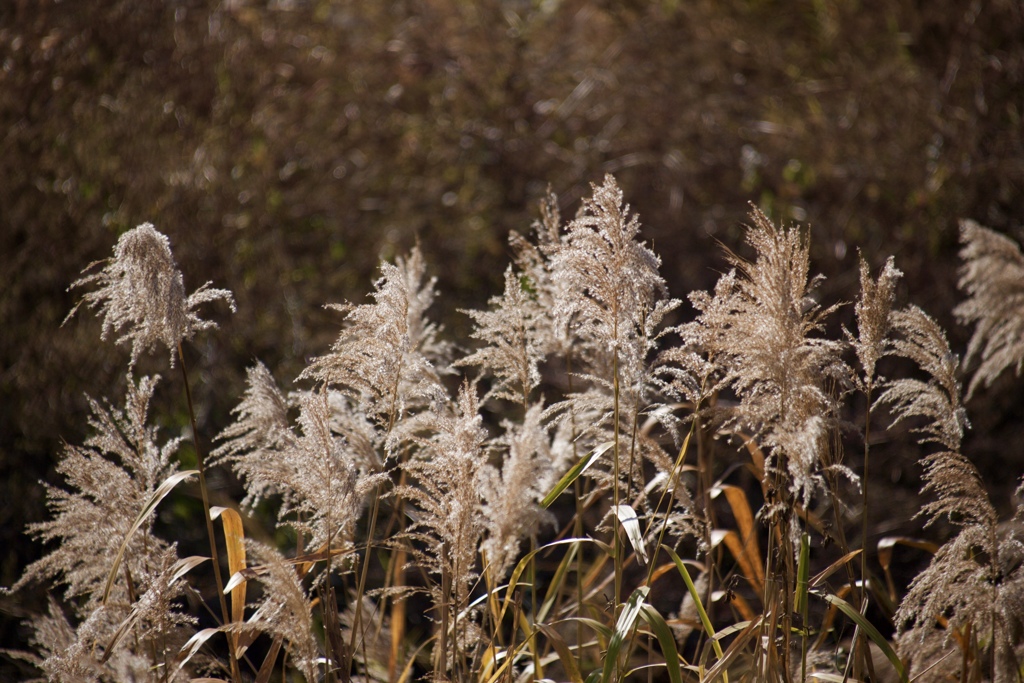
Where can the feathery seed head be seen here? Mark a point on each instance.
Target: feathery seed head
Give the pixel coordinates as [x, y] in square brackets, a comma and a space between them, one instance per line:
[387, 356]
[610, 280]
[141, 294]
[873, 311]
[992, 277]
[762, 326]
[514, 345]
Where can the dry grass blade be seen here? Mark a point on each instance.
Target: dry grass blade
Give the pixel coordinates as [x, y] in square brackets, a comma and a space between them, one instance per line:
[502, 670]
[744, 548]
[234, 539]
[267, 668]
[234, 536]
[721, 667]
[126, 625]
[303, 564]
[158, 495]
[885, 548]
[185, 565]
[565, 655]
[189, 649]
[833, 568]
[750, 565]
[744, 516]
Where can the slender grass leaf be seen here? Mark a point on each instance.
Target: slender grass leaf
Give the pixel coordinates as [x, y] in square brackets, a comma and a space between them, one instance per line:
[631, 524]
[830, 615]
[180, 568]
[564, 653]
[750, 565]
[122, 630]
[574, 473]
[524, 563]
[695, 594]
[555, 585]
[185, 565]
[497, 675]
[190, 648]
[803, 571]
[623, 629]
[267, 667]
[871, 631]
[158, 495]
[537, 663]
[885, 546]
[666, 639]
[487, 662]
[832, 568]
[735, 648]
[731, 629]
[602, 630]
[407, 671]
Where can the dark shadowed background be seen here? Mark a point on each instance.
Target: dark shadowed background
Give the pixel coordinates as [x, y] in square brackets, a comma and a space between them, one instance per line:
[286, 146]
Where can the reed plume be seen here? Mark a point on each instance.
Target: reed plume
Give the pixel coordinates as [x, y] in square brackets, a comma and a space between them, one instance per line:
[762, 327]
[141, 294]
[388, 356]
[111, 479]
[972, 584]
[992, 277]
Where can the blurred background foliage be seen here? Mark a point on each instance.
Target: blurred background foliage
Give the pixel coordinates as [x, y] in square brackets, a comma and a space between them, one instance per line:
[286, 146]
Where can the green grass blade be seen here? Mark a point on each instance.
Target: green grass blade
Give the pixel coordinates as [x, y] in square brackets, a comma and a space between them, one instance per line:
[623, 629]
[600, 629]
[522, 565]
[573, 474]
[704, 619]
[872, 632]
[666, 639]
[555, 585]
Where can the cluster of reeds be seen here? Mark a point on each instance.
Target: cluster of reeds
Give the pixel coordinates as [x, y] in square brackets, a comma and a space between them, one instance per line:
[587, 494]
